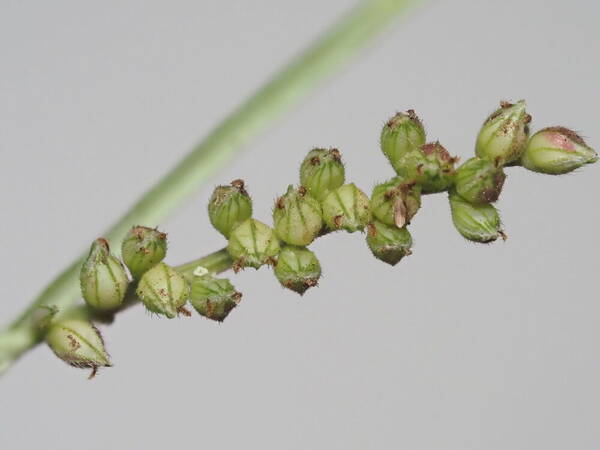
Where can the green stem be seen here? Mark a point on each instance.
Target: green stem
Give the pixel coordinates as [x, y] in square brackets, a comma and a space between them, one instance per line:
[216, 262]
[285, 90]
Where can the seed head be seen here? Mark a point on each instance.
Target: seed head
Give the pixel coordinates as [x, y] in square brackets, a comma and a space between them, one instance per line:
[503, 136]
[322, 171]
[253, 244]
[479, 181]
[163, 290]
[297, 217]
[229, 206]
[142, 249]
[103, 278]
[557, 150]
[214, 298]
[400, 135]
[297, 269]
[347, 207]
[388, 243]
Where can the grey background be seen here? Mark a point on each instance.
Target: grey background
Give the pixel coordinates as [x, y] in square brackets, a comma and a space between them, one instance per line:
[459, 347]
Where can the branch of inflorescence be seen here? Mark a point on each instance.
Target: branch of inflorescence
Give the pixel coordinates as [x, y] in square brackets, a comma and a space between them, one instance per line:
[301, 76]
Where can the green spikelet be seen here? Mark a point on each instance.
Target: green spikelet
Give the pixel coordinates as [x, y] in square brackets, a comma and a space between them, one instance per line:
[400, 135]
[142, 249]
[77, 342]
[479, 181]
[229, 206]
[557, 150]
[297, 217]
[163, 290]
[253, 244]
[430, 166]
[388, 243]
[214, 298]
[477, 223]
[396, 201]
[297, 269]
[103, 278]
[322, 171]
[503, 136]
[346, 208]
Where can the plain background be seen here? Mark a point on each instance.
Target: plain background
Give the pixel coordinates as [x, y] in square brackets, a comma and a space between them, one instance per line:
[461, 346]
